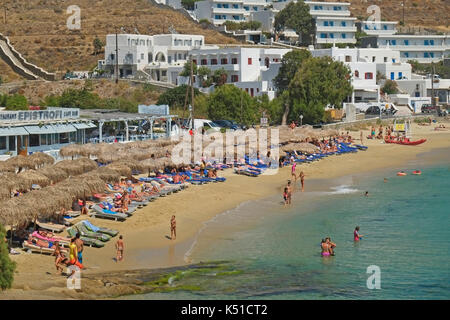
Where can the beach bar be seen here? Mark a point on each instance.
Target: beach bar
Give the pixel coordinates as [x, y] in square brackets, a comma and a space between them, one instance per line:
[27, 131]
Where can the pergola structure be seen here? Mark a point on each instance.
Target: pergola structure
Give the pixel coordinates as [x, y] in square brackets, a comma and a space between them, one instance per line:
[104, 116]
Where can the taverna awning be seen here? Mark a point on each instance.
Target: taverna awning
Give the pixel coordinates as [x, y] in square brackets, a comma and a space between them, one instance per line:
[13, 131]
[62, 128]
[83, 125]
[48, 129]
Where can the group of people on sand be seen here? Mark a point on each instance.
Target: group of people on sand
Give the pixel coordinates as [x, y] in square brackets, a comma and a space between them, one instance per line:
[75, 258]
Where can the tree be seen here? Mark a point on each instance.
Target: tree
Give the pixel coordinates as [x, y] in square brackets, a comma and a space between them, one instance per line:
[205, 74]
[273, 109]
[7, 266]
[98, 45]
[290, 63]
[219, 77]
[390, 87]
[296, 16]
[231, 103]
[187, 69]
[175, 97]
[16, 102]
[319, 82]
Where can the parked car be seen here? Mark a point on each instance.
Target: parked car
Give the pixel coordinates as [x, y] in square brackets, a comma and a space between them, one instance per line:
[227, 124]
[429, 108]
[373, 110]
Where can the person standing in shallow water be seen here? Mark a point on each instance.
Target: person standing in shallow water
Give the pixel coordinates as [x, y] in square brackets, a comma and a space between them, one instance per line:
[356, 235]
[302, 180]
[173, 228]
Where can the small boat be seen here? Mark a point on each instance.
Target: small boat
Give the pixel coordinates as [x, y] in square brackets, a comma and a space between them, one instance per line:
[405, 142]
[401, 173]
[417, 172]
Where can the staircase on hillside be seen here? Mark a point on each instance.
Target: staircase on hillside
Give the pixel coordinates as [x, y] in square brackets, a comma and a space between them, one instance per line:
[20, 66]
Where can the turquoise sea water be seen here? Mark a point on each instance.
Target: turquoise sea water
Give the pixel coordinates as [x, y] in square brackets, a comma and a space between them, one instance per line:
[275, 251]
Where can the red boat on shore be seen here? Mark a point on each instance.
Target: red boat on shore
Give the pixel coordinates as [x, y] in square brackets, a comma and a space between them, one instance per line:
[405, 141]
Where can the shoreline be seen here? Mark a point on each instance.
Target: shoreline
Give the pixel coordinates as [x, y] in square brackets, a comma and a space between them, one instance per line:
[146, 245]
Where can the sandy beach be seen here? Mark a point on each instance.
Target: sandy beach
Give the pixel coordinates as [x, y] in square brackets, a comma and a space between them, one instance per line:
[146, 234]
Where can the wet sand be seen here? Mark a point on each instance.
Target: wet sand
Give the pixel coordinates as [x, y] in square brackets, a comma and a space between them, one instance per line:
[146, 234]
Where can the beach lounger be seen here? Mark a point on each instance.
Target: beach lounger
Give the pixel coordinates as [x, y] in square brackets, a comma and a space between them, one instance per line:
[53, 227]
[31, 247]
[87, 241]
[103, 213]
[90, 234]
[94, 228]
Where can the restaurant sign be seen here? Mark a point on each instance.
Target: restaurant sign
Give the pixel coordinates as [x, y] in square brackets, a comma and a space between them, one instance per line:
[40, 115]
[154, 110]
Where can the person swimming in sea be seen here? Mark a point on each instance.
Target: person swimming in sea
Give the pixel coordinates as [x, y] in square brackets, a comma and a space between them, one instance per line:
[366, 194]
[331, 245]
[325, 248]
[356, 235]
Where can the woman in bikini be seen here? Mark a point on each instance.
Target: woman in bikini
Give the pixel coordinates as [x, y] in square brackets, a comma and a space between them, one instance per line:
[60, 259]
[325, 248]
[302, 180]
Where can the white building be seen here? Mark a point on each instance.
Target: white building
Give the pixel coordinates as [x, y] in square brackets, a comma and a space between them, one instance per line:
[333, 21]
[172, 3]
[422, 88]
[374, 28]
[219, 11]
[423, 48]
[364, 65]
[161, 57]
[252, 69]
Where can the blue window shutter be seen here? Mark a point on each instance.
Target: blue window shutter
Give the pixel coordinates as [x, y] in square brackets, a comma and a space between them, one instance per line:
[392, 76]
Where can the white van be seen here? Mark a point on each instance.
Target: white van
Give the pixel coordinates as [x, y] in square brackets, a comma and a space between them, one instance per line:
[207, 124]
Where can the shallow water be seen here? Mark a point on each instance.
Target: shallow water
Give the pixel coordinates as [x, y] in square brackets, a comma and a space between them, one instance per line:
[274, 251]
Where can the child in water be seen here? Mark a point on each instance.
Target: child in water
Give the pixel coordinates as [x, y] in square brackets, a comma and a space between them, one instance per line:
[286, 196]
[356, 235]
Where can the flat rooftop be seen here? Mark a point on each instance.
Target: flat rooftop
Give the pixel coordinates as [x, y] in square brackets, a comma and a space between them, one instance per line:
[116, 115]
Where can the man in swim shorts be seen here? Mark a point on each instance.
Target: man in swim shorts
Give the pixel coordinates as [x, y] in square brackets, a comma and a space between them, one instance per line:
[80, 246]
[331, 245]
[119, 248]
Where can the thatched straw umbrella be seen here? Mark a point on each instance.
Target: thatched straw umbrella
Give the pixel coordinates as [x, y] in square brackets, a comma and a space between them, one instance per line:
[5, 193]
[88, 149]
[6, 167]
[54, 174]
[77, 166]
[106, 174]
[13, 181]
[20, 162]
[72, 150]
[130, 163]
[39, 159]
[34, 177]
[121, 169]
[302, 147]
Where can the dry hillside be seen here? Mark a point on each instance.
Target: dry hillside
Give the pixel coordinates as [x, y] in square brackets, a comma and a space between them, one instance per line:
[36, 91]
[37, 29]
[431, 14]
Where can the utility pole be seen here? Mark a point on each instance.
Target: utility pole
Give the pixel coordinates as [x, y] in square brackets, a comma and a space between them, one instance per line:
[117, 59]
[432, 85]
[403, 12]
[192, 91]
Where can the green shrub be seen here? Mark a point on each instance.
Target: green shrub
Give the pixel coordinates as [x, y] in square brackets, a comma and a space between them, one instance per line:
[7, 266]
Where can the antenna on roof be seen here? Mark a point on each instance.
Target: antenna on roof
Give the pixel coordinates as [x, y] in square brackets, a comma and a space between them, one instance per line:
[172, 30]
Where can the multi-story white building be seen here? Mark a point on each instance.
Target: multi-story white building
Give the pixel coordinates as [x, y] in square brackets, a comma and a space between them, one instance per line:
[219, 11]
[161, 57]
[334, 23]
[252, 69]
[373, 28]
[172, 3]
[423, 48]
[364, 65]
